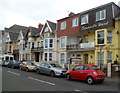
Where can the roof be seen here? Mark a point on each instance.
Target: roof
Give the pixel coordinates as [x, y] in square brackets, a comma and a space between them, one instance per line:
[69, 16]
[52, 25]
[16, 28]
[13, 36]
[34, 31]
[99, 7]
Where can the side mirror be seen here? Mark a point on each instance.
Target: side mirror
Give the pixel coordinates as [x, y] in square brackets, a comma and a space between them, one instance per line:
[73, 69]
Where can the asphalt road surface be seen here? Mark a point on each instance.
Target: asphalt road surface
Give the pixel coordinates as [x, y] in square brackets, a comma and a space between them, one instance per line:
[18, 80]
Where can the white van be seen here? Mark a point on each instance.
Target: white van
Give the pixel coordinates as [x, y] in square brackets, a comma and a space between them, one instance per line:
[4, 59]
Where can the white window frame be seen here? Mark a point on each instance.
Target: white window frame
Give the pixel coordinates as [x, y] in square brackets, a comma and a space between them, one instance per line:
[62, 58]
[109, 57]
[63, 25]
[48, 56]
[64, 42]
[109, 36]
[99, 13]
[75, 22]
[84, 19]
[48, 43]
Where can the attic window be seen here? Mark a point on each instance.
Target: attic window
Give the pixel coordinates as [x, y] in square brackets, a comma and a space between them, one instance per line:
[46, 29]
[29, 34]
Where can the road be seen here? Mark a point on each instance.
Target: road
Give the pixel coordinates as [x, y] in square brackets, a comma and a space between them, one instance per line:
[18, 80]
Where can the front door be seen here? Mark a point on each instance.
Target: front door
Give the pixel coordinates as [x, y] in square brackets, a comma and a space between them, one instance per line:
[86, 58]
[37, 57]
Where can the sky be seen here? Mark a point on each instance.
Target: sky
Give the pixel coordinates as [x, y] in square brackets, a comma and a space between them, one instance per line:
[32, 12]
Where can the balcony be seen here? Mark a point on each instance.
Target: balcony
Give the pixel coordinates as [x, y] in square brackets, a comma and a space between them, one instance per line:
[16, 51]
[81, 47]
[37, 49]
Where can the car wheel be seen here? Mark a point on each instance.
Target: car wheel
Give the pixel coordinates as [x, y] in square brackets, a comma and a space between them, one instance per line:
[20, 68]
[8, 66]
[90, 80]
[13, 67]
[52, 73]
[38, 71]
[27, 69]
[68, 77]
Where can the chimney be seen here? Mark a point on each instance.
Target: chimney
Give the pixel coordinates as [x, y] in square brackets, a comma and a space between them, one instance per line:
[40, 26]
[71, 14]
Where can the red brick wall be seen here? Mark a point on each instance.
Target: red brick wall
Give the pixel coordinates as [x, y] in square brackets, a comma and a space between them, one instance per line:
[69, 31]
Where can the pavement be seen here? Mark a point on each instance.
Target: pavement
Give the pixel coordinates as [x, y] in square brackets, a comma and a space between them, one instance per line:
[113, 80]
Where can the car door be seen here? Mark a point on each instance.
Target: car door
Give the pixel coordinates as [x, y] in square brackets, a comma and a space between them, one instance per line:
[77, 72]
[84, 72]
[47, 68]
[42, 67]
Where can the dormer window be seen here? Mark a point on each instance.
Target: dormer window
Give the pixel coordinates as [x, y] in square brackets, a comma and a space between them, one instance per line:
[46, 29]
[100, 15]
[84, 19]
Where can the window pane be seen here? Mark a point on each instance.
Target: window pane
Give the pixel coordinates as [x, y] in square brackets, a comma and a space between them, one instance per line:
[63, 25]
[75, 22]
[51, 43]
[50, 56]
[100, 37]
[45, 56]
[84, 19]
[62, 58]
[63, 42]
[46, 43]
[109, 37]
[109, 57]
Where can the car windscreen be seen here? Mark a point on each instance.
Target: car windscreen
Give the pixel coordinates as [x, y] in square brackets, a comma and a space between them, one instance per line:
[95, 68]
[55, 65]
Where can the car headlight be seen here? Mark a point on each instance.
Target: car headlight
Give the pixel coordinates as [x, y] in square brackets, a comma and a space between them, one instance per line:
[95, 73]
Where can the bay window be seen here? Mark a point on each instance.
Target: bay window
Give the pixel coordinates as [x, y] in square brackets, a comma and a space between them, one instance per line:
[48, 56]
[48, 43]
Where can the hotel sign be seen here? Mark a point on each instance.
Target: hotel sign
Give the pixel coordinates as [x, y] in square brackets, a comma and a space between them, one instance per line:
[99, 24]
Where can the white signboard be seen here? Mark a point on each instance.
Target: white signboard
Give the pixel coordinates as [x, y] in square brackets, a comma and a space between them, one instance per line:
[87, 45]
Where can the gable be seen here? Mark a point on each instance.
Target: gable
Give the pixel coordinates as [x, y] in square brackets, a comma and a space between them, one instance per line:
[45, 29]
[20, 36]
[7, 37]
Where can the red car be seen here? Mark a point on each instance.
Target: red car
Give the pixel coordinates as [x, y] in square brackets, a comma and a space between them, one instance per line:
[86, 72]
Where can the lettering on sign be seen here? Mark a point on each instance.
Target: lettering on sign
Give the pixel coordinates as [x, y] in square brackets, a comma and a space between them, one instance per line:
[95, 25]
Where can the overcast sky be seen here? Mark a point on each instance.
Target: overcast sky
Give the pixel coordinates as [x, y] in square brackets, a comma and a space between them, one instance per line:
[33, 12]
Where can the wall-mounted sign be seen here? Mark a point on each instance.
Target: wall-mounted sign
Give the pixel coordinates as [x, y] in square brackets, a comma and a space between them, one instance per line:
[99, 24]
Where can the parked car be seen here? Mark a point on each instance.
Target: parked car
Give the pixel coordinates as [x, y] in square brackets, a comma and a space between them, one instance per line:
[52, 69]
[86, 72]
[14, 64]
[28, 66]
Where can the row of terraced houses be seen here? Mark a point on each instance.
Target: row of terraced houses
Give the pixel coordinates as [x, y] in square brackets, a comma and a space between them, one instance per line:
[92, 35]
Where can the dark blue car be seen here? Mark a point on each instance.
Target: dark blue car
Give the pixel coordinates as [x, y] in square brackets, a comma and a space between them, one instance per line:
[14, 64]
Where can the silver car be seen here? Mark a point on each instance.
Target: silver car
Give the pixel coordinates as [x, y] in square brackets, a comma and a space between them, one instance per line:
[52, 69]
